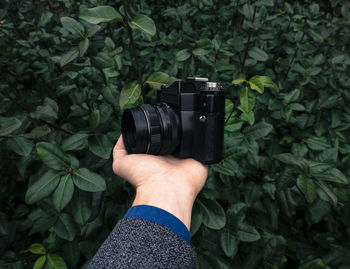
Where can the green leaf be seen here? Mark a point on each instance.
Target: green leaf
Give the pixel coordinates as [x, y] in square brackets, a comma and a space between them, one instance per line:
[258, 83]
[247, 233]
[3, 224]
[100, 14]
[144, 23]
[247, 99]
[75, 142]
[319, 210]
[258, 130]
[43, 187]
[20, 145]
[38, 132]
[328, 194]
[248, 117]
[63, 193]
[228, 243]
[101, 146]
[308, 187]
[182, 55]
[69, 56]
[37, 248]
[235, 126]
[9, 126]
[292, 96]
[239, 81]
[86, 180]
[55, 262]
[81, 208]
[72, 26]
[158, 79]
[196, 219]
[317, 143]
[315, 264]
[258, 54]
[110, 94]
[83, 46]
[332, 175]
[94, 119]
[48, 111]
[71, 253]
[200, 52]
[53, 156]
[315, 36]
[291, 159]
[213, 214]
[65, 227]
[93, 30]
[129, 94]
[39, 263]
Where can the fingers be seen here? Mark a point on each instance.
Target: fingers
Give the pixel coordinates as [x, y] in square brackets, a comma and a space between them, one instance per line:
[119, 149]
[119, 152]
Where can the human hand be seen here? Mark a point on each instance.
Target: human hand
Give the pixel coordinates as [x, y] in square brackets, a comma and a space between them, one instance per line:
[163, 181]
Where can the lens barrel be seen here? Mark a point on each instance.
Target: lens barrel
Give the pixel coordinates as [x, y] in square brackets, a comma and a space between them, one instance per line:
[150, 129]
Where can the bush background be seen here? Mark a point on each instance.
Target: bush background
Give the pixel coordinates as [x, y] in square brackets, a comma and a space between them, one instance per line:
[279, 198]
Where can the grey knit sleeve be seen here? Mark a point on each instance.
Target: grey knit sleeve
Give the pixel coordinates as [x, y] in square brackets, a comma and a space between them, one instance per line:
[139, 243]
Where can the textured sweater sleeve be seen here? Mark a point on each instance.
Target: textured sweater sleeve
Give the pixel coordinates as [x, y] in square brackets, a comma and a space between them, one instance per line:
[146, 238]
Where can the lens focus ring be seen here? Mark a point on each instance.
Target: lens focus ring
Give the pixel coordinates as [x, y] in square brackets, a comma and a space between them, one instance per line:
[154, 129]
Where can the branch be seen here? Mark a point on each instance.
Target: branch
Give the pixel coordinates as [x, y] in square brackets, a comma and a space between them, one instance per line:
[247, 46]
[292, 61]
[133, 50]
[24, 107]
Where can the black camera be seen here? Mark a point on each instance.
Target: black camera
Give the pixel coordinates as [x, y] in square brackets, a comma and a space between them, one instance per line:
[188, 122]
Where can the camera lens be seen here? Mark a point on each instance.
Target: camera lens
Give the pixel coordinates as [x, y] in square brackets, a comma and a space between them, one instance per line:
[150, 129]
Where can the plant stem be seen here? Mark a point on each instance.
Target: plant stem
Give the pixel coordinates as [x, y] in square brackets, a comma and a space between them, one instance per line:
[247, 45]
[292, 61]
[132, 43]
[24, 107]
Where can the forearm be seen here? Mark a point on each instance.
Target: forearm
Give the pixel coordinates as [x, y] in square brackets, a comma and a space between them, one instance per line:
[177, 201]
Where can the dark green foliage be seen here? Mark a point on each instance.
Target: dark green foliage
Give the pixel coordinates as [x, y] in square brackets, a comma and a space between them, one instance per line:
[279, 198]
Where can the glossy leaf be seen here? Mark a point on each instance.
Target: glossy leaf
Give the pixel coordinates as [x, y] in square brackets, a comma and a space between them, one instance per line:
[144, 24]
[37, 249]
[182, 55]
[101, 146]
[258, 54]
[10, 125]
[100, 14]
[158, 79]
[308, 187]
[228, 243]
[20, 145]
[213, 214]
[75, 142]
[247, 100]
[247, 233]
[43, 187]
[39, 263]
[55, 262]
[65, 227]
[53, 156]
[72, 26]
[129, 94]
[86, 180]
[63, 193]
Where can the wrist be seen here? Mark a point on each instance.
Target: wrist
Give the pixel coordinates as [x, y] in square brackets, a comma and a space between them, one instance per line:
[177, 199]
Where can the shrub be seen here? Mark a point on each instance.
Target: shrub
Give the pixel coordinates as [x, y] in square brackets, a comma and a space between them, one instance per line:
[280, 196]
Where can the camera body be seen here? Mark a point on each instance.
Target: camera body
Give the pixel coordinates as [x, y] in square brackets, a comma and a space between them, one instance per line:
[188, 123]
[200, 106]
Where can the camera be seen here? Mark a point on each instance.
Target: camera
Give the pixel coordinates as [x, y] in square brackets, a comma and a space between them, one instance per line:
[187, 123]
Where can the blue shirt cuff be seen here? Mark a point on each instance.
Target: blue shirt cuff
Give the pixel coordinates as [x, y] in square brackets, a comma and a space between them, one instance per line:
[160, 216]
